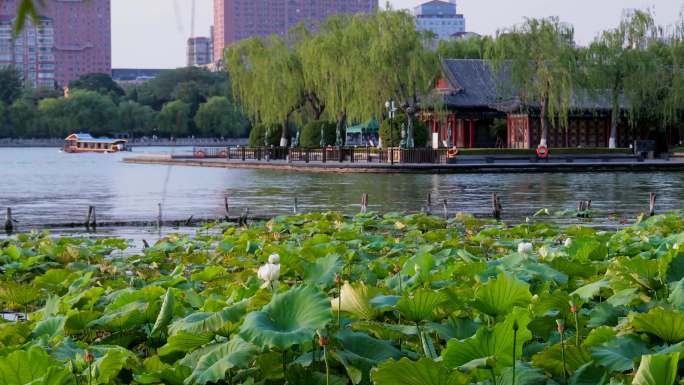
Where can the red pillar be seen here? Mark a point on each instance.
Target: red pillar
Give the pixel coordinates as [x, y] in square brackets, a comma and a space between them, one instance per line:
[472, 133]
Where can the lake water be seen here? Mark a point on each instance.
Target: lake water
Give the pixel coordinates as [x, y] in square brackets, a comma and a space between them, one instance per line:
[43, 185]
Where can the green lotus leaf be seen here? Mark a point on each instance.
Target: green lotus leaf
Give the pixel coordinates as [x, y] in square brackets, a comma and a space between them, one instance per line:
[676, 297]
[588, 291]
[55, 376]
[589, 374]
[657, 369]
[360, 353]
[620, 354]
[14, 333]
[127, 316]
[356, 301]
[599, 336]
[422, 372]
[290, 318]
[488, 342]
[551, 359]
[51, 327]
[459, 328]
[184, 342]
[421, 305]
[214, 366]
[165, 313]
[478, 363]
[78, 321]
[524, 375]
[21, 367]
[17, 294]
[203, 322]
[322, 271]
[668, 325]
[498, 296]
[109, 365]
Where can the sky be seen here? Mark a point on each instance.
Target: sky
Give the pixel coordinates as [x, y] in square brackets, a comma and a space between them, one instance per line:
[153, 33]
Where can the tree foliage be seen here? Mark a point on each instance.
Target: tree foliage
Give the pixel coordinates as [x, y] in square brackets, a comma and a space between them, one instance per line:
[218, 117]
[97, 82]
[541, 61]
[10, 85]
[174, 119]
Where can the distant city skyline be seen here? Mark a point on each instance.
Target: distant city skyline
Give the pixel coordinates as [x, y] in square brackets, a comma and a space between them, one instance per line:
[154, 33]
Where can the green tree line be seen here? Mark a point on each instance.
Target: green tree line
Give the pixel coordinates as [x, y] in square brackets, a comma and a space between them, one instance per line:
[345, 71]
[181, 102]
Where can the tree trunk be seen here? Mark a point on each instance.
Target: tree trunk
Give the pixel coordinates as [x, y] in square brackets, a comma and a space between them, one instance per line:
[339, 141]
[283, 137]
[614, 120]
[544, 121]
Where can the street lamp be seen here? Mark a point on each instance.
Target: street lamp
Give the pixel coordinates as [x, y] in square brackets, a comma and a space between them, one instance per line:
[392, 111]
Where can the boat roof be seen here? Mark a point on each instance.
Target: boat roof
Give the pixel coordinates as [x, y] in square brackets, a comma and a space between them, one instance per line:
[82, 137]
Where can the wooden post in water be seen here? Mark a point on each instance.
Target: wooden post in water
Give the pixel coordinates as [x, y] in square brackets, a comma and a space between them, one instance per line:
[651, 204]
[295, 208]
[446, 211]
[159, 215]
[428, 203]
[93, 219]
[496, 207]
[88, 217]
[225, 205]
[364, 203]
[9, 226]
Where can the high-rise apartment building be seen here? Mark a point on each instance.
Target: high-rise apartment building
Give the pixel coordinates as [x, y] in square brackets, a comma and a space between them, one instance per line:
[240, 19]
[73, 38]
[441, 18]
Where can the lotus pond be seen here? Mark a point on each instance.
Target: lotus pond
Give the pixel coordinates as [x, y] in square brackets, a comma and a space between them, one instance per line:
[327, 299]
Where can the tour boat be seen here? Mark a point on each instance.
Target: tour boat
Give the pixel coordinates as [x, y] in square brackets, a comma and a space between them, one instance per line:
[86, 143]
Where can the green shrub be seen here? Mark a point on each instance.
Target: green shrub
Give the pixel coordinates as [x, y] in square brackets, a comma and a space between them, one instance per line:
[420, 133]
[259, 131]
[310, 136]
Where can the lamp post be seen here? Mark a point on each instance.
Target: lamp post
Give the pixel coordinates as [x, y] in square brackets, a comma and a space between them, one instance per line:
[392, 111]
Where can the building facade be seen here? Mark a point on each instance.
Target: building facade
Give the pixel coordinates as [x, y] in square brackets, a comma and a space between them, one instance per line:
[441, 18]
[73, 38]
[236, 20]
[199, 52]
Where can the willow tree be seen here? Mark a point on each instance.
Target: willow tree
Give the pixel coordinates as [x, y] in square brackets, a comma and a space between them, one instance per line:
[402, 65]
[336, 70]
[541, 61]
[618, 63]
[267, 80]
[673, 105]
[356, 63]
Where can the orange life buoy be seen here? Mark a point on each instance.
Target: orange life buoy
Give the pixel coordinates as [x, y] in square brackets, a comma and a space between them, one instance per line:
[223, 154]
[452, 153]
[542, 152]
[200, 154]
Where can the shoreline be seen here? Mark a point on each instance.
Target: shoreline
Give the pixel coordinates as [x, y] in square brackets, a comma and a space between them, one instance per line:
[473, 165]
[59, 143]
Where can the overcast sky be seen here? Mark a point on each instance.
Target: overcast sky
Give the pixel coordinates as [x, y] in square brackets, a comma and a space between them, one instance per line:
[153, 33]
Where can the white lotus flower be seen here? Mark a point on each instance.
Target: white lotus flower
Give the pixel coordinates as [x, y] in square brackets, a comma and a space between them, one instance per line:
[269, 273]
[568, 242]
[274, 259]
[525, 248]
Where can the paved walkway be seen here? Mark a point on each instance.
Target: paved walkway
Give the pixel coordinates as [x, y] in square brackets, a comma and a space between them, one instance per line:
[463, 165]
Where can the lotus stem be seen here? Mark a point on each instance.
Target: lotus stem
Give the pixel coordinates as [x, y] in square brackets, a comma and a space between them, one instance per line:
[285, 364]
[338, 281]
[515, 340]
[561, 331]
[491, 370]
[327, 368]
[578, 335]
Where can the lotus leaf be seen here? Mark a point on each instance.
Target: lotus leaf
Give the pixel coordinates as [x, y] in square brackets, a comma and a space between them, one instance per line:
[22, 367]
[498, 296]
[290, 318]
[422, 372]
[667, 325]
[619, 354]
[491, 342]
[356, 301]
[165, 313]
[422, 305]
[202, 322]
[214, 366]
[657, 369]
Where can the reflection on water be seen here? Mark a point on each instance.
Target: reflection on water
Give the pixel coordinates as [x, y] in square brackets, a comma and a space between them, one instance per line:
[47, 186]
